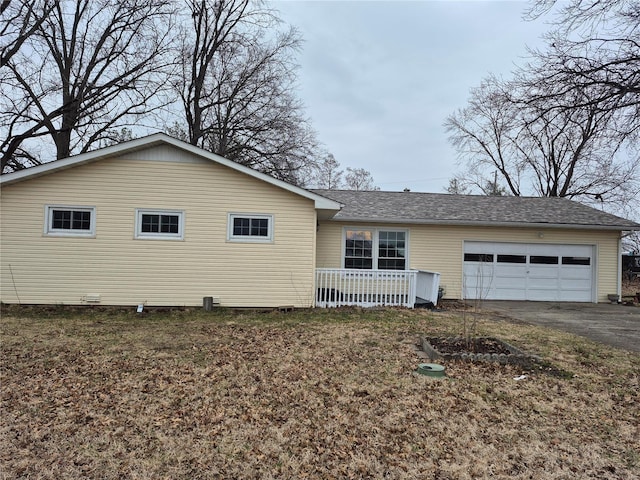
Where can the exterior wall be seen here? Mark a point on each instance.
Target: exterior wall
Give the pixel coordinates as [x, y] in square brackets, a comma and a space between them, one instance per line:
[127, 271]
[439, 248]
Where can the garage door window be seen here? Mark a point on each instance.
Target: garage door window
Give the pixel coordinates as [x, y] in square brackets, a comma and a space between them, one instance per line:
[512, 259]
[478, 257]
[576, 261]
[543, 260]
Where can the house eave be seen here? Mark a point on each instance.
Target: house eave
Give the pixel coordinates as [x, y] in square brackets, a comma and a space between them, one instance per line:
[472, 223]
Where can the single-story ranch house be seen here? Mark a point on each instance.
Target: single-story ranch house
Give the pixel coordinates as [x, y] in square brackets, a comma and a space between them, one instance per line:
[156, 221]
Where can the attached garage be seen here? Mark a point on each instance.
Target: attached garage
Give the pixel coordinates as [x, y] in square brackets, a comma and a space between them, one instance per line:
[529, 271]
[493, 247]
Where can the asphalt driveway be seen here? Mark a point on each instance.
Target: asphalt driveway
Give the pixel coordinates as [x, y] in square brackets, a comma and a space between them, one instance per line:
[616, 325]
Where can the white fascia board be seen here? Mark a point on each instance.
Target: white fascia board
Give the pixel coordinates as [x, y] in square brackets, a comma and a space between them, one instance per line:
[320, 202]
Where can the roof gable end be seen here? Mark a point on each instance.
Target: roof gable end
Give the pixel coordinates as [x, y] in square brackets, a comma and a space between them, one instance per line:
[141, 147]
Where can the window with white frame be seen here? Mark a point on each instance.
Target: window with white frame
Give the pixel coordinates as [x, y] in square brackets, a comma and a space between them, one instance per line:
[159, 224]
[63, 220]
[374, 248]
[250, 227]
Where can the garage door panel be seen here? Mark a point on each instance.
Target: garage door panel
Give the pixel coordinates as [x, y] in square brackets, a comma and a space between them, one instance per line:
[478, 269]
[541, 272]
[510, 270]
[509, 281]
[543, 283]
[574, 296]
[551, 295]
[507, 294]
[576, 284]
[574, 272]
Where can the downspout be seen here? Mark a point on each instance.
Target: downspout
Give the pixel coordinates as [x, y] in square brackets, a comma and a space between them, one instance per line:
[314, 259]
[619, 275]
[619, 292]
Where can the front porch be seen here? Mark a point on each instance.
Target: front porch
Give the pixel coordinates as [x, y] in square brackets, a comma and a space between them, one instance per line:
[336, 287]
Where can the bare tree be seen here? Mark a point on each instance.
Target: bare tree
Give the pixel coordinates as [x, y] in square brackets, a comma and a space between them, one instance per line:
[484, 133]
[458, 186]
[88, 68]
[359, 179]
[19, 21]
[473, 181]
[533, 148]
[328, 174]
[493, 188]
[119, 136]
[238, 79]
[177, 130]
[595, 46]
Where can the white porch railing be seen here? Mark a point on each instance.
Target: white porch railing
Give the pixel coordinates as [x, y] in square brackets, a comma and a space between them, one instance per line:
[337, 287]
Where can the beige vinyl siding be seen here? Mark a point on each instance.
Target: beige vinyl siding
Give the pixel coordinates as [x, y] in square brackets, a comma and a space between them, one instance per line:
[440, 248]
[128, 271]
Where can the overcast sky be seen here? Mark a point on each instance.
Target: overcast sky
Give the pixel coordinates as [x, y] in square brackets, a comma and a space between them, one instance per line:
[378, 78]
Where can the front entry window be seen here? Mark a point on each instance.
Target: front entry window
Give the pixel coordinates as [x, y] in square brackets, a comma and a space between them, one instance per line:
[391, 250]
[359, 249]
[368, 249]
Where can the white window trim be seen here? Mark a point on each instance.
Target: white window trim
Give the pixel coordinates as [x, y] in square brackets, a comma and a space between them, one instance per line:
[376, 243]
[249, 238]
[140, 235]
[60, 232]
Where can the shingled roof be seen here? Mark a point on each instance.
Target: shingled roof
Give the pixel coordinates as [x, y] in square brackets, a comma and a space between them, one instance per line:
[440, 208]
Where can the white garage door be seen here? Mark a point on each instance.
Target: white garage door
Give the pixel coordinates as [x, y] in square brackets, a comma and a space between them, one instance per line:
[525, 271]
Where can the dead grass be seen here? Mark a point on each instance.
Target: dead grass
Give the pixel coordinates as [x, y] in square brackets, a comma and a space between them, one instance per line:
[312, 394]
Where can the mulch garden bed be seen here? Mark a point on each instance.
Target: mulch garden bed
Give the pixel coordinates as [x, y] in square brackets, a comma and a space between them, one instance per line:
[486, 349]
[476, 349]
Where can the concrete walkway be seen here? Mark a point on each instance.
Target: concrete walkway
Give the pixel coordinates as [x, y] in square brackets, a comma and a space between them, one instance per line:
[616, 325]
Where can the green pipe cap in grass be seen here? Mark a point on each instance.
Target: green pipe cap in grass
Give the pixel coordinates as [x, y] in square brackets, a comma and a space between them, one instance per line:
[431, 370]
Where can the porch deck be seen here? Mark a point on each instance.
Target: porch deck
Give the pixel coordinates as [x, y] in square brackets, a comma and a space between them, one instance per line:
[336, 287]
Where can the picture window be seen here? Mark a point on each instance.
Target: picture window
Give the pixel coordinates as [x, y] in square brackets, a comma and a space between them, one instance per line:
[250, 228]
[384, 249]
[70, 221]
[159, 224]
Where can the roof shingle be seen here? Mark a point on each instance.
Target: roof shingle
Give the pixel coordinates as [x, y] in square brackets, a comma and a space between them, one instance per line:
[440, 208]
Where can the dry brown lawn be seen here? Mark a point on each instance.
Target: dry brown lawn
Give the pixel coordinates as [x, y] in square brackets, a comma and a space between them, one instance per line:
[309, 394]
